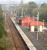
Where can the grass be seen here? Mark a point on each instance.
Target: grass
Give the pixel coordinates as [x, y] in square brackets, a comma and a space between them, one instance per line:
[2, 31]
[4, 41]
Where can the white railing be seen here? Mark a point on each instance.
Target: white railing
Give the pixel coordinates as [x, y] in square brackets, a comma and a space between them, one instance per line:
[25, 38]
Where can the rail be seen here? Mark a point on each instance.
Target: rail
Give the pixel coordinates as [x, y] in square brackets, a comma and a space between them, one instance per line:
[25, 38]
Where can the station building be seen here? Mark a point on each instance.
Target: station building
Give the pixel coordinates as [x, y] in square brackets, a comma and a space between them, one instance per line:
[36, 26]
[32, 23]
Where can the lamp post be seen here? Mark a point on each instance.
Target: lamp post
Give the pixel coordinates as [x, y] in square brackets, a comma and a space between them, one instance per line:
[5, 20]
[22, 8]
[43, 31]
[37, 24]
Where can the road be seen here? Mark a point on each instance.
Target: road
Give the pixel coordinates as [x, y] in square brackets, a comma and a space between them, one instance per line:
[13, 34]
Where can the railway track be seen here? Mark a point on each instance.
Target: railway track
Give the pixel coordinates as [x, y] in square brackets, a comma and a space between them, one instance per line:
[16, 39]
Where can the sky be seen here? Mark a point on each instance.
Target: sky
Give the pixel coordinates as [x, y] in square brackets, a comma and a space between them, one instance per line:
[37, 1]
[18, 1]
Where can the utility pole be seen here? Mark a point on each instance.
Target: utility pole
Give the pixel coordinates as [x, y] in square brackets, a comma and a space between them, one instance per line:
[5, 20]
[22, 8]
[43, 31]
[37, 24]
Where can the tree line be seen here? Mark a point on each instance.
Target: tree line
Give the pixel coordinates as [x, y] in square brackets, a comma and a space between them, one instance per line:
[31, 9]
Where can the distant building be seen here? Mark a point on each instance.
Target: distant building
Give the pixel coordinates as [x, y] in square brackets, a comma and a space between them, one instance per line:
[32, 23]
[25, 21]
[36, 26]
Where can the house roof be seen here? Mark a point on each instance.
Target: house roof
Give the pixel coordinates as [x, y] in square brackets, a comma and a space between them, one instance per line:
[32, 21]
[36, 23]
[25, 19]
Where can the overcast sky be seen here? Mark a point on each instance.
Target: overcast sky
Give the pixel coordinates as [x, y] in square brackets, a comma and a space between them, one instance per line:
[18, 1]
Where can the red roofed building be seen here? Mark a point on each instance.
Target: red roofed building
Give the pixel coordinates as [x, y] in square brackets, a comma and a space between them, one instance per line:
[36, 26]
[36, 23]
[25, 21]
[33, 23]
